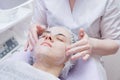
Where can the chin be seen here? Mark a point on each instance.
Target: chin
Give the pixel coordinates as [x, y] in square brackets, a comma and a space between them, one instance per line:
[44, 49]
[41, 50]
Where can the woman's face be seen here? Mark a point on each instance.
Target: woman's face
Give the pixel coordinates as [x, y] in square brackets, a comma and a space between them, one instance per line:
[52, 45]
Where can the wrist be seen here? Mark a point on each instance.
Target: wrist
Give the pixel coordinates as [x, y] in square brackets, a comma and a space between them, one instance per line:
[93, 43]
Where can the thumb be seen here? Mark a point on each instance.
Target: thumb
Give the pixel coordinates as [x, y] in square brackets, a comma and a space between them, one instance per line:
[40, 29]
[81, 33]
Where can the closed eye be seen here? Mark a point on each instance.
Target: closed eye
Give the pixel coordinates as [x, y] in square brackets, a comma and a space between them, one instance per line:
[61, 38]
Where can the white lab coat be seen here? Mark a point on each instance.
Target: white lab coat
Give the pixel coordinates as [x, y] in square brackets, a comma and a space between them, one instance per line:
[99, 18]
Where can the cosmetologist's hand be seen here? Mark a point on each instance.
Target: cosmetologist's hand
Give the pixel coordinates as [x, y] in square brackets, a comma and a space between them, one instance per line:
[82, 48]
[33, 33]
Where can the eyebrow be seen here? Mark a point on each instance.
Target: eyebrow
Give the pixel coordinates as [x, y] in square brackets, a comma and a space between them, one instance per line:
[61, 34]
[46, 32]
[56, 34]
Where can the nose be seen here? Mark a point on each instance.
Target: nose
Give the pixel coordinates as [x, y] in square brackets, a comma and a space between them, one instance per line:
[49, 37]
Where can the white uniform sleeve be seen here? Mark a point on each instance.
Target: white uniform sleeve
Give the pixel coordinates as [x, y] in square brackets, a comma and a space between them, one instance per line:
[39, 14]
[110, 24]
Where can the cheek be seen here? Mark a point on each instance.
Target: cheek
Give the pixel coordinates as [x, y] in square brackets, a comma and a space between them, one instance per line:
[41, 50]
[59, 56]
[59, 52]
[60, 48]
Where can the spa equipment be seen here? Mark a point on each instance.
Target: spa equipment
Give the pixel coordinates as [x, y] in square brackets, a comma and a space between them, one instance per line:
[15, 16]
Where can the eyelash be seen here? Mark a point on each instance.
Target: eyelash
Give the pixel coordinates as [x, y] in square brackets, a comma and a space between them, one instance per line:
[60, 40]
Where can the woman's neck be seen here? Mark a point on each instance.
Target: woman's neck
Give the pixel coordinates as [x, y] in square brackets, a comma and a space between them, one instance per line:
[55, 70]
[72, 3]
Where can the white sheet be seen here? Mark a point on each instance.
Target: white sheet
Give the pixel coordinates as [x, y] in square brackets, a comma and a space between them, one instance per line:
[83, 70]
[19, 70]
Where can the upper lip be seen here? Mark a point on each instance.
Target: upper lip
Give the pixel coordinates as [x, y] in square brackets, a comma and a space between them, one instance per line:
[46, 44]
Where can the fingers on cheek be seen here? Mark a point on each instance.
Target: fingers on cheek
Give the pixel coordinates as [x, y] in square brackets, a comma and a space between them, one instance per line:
[35, 36]
[73, 50]
[76, 56]
[30, 46]
[79, 55]
[86, 57]
[26, 46]
[74, 45]
[30, 42]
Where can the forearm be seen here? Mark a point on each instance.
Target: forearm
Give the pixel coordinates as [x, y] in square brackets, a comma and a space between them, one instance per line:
[104, 47]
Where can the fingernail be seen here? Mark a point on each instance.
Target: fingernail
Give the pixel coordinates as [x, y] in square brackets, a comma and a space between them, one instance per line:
[25, 49]
[73, 58]
[66, 54]
[36, 41]
[66, 49]
[84, 59]
[31, 49]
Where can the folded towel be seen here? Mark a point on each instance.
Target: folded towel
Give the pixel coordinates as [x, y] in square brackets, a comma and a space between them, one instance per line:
[20, 70]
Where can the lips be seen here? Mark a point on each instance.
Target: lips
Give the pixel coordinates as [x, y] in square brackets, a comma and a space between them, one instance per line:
[46, 44]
